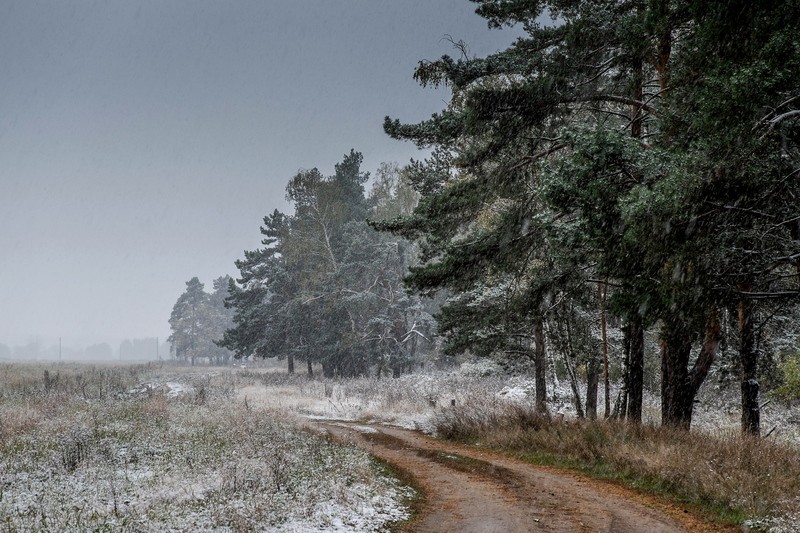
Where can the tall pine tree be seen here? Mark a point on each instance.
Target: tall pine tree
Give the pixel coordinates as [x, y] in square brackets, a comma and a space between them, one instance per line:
[646, 145]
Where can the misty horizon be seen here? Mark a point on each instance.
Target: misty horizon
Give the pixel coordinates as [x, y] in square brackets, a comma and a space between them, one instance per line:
[143, 142]
[138, 349]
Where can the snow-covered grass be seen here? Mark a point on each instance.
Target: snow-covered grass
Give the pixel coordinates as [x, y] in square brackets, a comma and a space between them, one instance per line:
[412, 400]
[755, 479]
[157, 449]
[408, 401]
[151, 448]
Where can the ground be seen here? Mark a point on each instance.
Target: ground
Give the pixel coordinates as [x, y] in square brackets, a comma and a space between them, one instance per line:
[165, 448]
[472, 490]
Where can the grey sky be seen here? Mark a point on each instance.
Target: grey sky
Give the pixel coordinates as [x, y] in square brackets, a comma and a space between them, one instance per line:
[142, 141]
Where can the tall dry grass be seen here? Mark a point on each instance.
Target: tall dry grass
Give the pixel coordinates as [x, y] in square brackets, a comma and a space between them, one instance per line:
[736, 476]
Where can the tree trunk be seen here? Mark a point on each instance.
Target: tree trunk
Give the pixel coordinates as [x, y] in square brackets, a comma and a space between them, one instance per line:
[638, 96]
[621, 405]
[569, 362]
[602, 292]
[592, 382]
[573, 383]
[748, 355]
[677, 401]
[290, 360]
[540, 367]
[412, 355]
[310, 370]
[678, 385]
[635, 371]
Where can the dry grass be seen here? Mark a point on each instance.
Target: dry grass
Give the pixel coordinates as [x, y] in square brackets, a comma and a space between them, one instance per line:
[730, 475]
[153, 448]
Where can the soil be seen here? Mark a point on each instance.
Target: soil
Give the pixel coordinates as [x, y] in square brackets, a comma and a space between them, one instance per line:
[467, 489]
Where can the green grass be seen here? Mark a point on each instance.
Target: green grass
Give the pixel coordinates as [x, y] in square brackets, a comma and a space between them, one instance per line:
[713, 511]
[413, 499]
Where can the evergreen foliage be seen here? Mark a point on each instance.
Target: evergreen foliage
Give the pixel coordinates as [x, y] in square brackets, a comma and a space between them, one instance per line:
[198, 320]
[326, 288]
[647, 146]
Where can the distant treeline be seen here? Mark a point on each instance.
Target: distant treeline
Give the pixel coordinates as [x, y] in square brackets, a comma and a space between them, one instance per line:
[130, 349]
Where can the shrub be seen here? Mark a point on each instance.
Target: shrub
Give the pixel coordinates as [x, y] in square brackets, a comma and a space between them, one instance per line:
[790, 389]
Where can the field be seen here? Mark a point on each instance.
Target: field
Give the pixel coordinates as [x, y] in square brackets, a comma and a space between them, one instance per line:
[159, 447]
[146, 448]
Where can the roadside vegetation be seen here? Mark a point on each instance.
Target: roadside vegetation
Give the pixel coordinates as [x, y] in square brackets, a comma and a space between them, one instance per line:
[725, 476]
[714, 470]
[159, 447]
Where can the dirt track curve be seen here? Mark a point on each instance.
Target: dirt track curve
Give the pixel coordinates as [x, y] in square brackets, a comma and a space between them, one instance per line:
[470, 490]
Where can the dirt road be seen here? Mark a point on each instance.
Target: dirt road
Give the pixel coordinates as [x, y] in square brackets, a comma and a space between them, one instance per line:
[470, 490]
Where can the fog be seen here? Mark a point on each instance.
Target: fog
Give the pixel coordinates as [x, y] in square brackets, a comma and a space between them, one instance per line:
[141, 142]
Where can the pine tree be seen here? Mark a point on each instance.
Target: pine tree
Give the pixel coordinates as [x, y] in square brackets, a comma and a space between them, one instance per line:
[220, 318]
[326, 287]
[647, 146]
[189, 323]
[735, 104]
[261, 297]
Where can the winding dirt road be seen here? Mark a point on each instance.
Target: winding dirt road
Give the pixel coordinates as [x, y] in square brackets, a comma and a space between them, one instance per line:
[471, 490]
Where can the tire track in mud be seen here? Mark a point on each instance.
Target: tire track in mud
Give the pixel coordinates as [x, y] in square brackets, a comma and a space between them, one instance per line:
[471, 490]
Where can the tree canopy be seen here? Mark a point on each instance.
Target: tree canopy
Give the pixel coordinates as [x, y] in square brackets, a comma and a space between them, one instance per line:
[650, 147]
[326, 287]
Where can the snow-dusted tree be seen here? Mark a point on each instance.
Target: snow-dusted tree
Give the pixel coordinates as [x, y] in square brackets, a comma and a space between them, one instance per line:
[734, 116]
[326, 287]
[398, 325]
[189, 321]
[263, 300]
[649, 146]
[220, 319]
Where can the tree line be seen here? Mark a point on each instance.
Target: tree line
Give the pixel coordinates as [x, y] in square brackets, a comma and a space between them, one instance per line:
[324, 289]
[639, 158]
[328, 289]
[629, 167]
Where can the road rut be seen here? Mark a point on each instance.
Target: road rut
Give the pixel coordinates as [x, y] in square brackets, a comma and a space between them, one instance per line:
[471, 490]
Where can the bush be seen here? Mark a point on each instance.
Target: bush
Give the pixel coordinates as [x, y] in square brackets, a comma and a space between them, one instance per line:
[790, 389]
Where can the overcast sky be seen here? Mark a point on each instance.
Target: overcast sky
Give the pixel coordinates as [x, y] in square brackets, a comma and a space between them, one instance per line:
[142, 141]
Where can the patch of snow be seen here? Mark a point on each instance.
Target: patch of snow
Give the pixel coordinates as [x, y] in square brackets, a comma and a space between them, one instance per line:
[170, 389]
[370, 514]
[175, 389]
[311, 416]
[362, 429]
[481, 368]
[514, 394]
